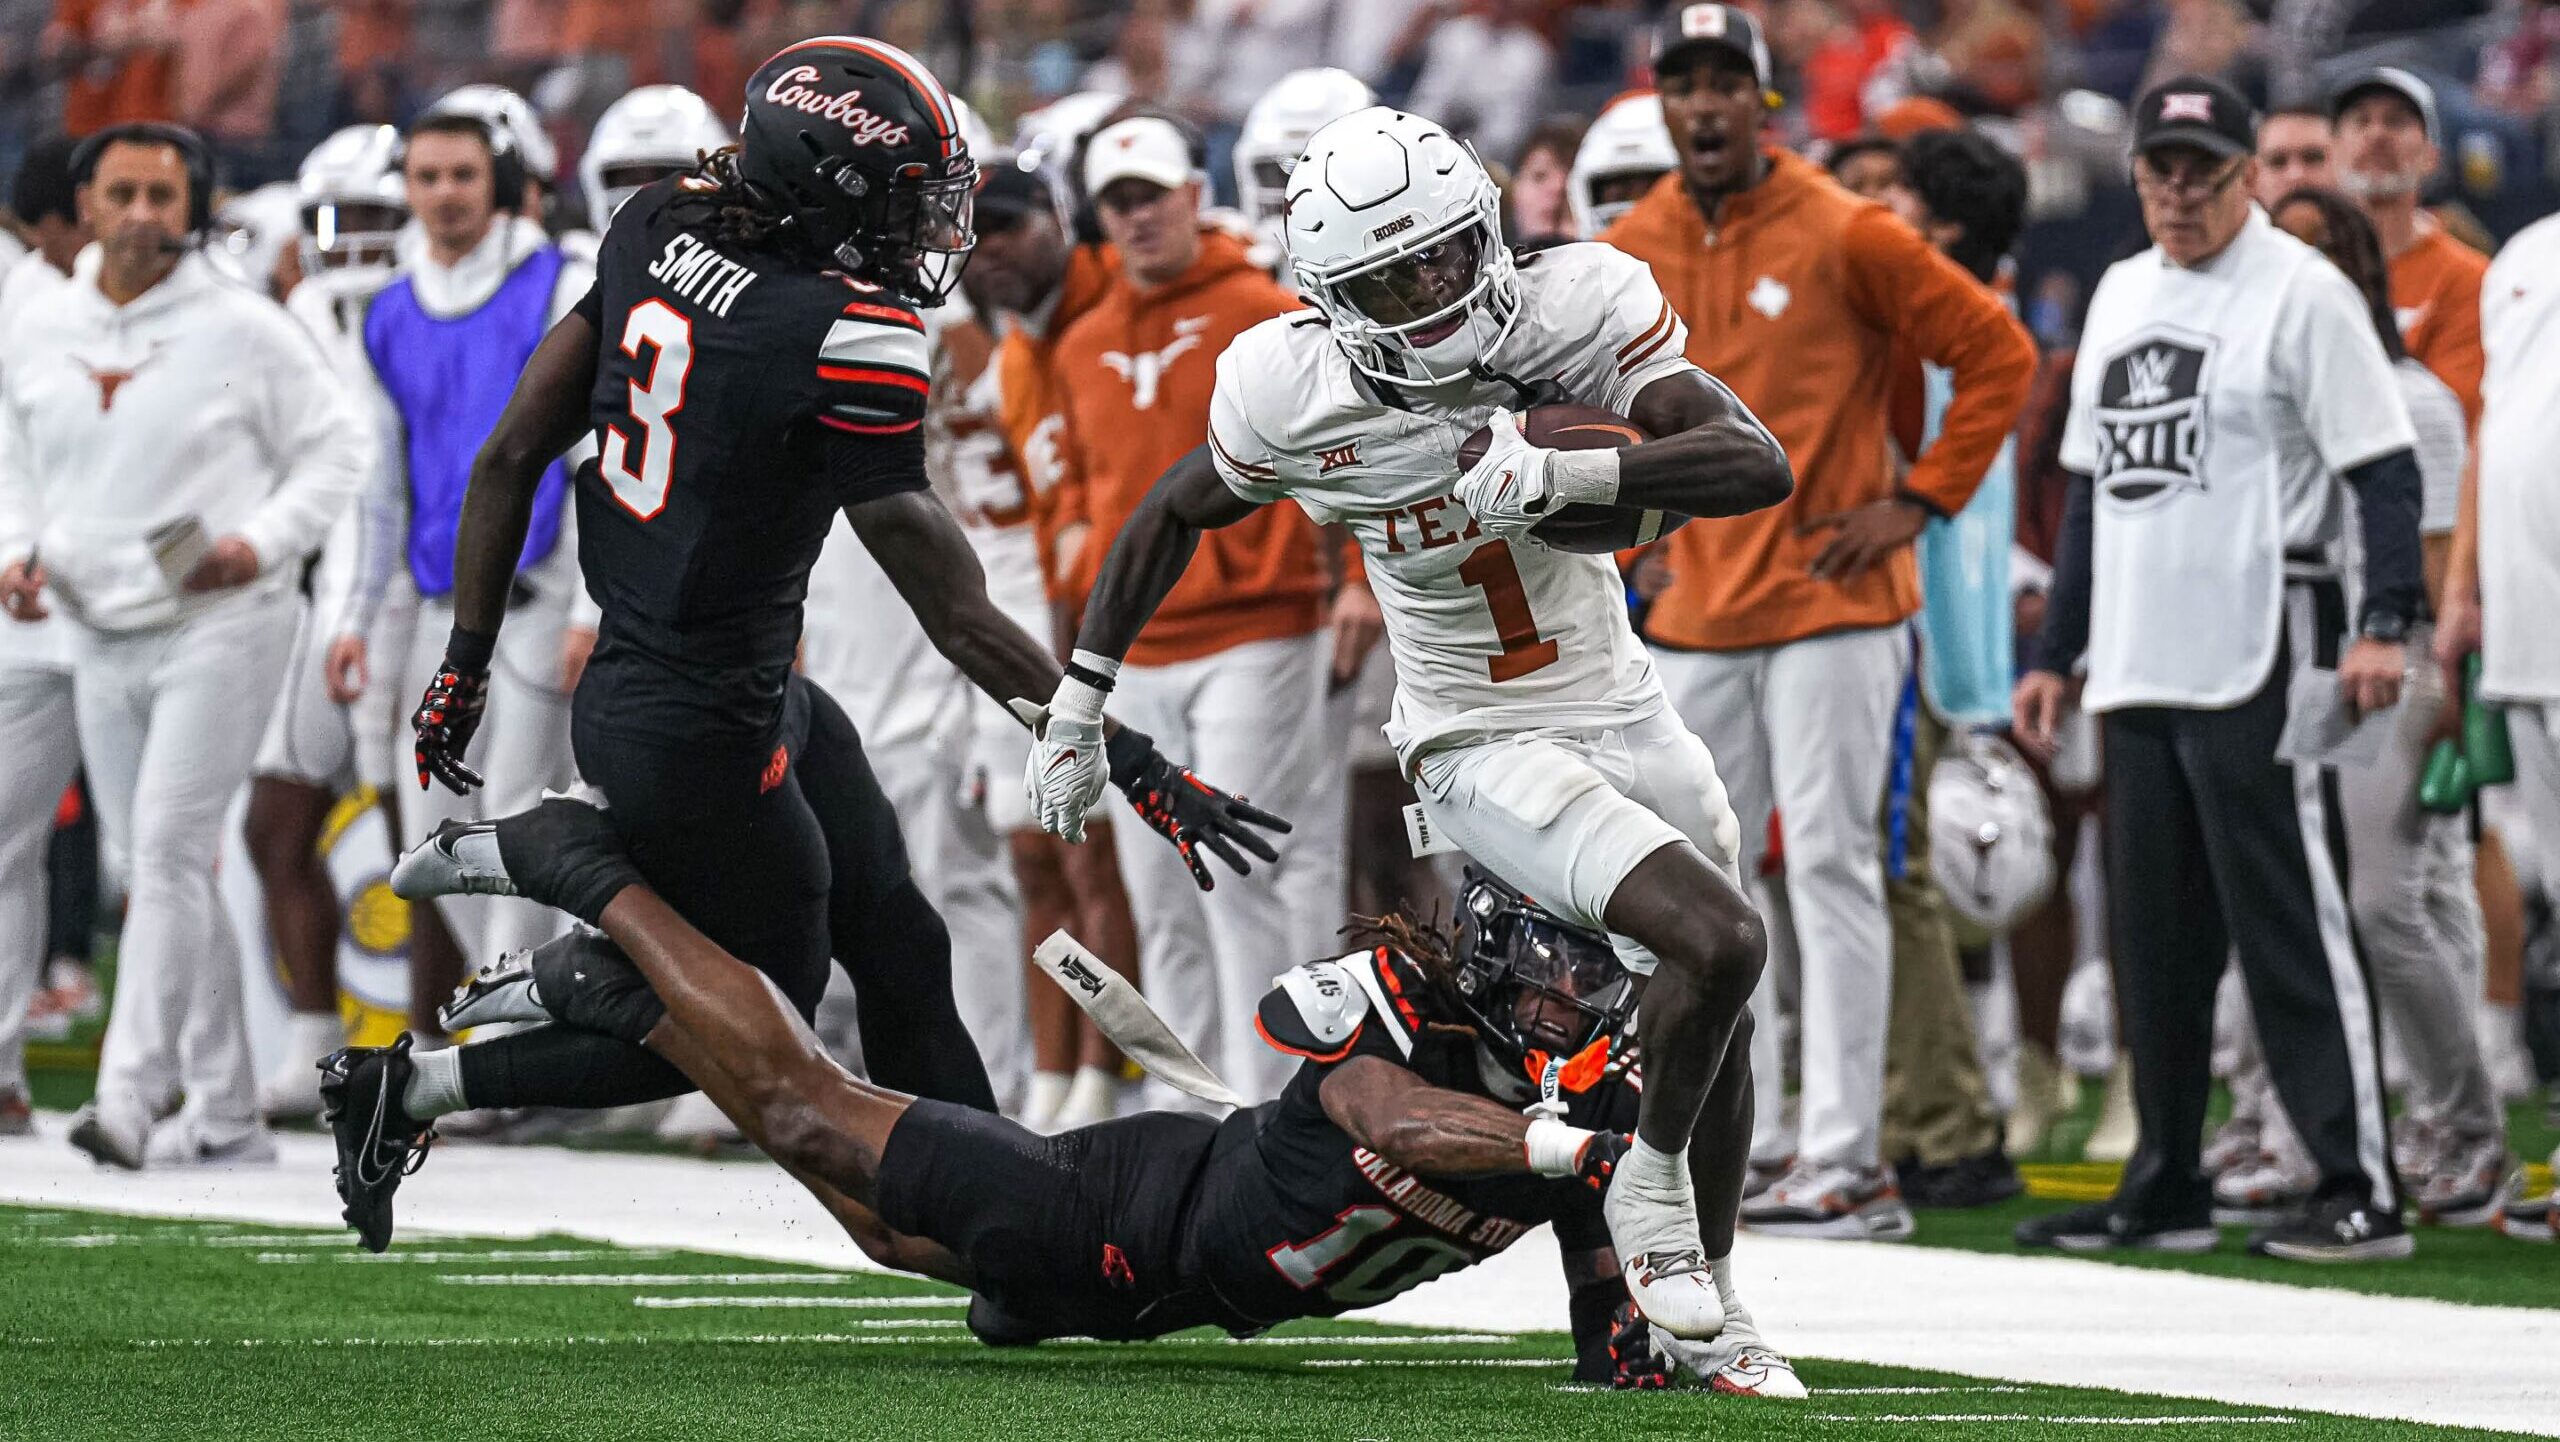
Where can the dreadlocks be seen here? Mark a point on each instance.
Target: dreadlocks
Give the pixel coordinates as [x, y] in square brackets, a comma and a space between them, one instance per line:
[739, 218]
[1432, 948]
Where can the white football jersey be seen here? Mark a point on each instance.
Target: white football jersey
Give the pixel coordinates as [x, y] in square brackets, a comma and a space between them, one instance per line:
[1489, 638]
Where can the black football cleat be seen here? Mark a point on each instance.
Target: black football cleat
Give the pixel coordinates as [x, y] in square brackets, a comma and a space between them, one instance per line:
[379, 1143]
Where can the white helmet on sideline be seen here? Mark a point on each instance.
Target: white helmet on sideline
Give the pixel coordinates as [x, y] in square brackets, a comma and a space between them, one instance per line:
[1277, 128]
[252, 231]
[652, 133]
[1990, 836]
[353, 205]
[1629, 142]
[1395, 234]
[513, 119]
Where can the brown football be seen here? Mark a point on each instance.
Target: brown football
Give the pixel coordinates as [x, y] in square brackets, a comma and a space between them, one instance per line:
[1587, 529]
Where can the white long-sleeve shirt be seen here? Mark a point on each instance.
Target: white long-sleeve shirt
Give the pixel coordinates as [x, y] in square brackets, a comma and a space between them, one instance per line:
[198, 399]
[442, 290]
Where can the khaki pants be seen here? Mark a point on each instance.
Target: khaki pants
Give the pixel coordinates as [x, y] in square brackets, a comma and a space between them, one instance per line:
[1936, 1105]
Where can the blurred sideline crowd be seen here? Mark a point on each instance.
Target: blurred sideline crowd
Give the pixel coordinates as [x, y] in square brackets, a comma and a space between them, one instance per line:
[1941, 972]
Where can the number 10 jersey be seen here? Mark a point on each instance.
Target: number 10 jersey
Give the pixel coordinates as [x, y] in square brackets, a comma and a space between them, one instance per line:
[1490, 638]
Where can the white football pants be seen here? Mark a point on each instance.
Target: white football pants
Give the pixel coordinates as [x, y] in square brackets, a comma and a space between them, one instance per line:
[522, 746]
[40, 742]
[170, 720]
[1806, 729]
[1252, 721]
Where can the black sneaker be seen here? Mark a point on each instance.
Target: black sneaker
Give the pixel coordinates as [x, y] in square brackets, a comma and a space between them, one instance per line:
[379, 1143]
[2340, 1227]
[2101, 1227]
[1961, 1185]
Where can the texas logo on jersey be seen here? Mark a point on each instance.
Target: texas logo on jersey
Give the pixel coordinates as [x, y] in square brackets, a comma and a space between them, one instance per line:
[2151, 418]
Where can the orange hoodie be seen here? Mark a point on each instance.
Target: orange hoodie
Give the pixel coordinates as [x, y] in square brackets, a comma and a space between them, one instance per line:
[1796, 300]
[1137, 370]
[2435, 286]
[1034, 405]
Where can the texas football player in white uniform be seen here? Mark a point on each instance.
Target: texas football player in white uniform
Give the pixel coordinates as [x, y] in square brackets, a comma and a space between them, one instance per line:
[1527, 713]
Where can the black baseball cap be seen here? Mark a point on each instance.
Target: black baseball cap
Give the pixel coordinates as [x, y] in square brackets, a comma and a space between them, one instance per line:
[2390, 80]
[2193, 110]
[1687, 28]
[1008, 192]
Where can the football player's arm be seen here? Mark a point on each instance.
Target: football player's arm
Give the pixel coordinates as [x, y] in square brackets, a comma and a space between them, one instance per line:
[546, 415]
[1153, 549]
[1712, 458]
[1441, 1133]
[928, 558]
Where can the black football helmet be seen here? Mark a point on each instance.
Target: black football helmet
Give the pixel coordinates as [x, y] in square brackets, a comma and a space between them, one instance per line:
[1539, 989]
[860, 146]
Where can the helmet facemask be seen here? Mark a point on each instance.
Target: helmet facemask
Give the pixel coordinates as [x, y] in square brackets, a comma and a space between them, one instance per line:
[356, 235]
[1537, 988]
[1429, 311]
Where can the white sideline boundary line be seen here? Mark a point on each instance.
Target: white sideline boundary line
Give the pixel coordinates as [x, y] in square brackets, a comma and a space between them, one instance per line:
[694, 1279]
[2045, 1320]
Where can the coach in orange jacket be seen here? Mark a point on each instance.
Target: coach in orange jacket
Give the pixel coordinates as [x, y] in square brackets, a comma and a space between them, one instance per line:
[1781, 635]
[1231, 670]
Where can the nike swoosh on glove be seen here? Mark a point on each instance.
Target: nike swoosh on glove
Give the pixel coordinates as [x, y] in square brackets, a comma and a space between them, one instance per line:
[1189, 812]
[1066, 770]
[1639, 1365]
[446, 720]
[1509, 490]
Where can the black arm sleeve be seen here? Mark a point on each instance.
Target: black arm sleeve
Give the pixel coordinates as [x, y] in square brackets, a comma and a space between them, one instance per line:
[2388, 495]
[2066, 607]
[867, 467]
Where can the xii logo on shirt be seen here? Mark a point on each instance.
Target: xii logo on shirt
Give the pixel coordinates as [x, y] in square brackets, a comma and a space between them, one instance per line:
[2151, 419]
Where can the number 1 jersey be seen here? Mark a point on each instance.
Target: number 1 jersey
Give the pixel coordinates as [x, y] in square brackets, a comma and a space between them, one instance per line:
[1489, 638]
[741, 400]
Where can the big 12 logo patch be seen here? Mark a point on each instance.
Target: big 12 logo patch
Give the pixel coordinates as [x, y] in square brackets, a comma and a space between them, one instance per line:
[2151, 419]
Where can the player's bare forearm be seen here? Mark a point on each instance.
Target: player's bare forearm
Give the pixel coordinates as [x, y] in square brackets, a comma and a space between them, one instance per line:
[1712, 458]
[1153, 550]
[546, 415]
[929, 559]
[1423, 1128]
[740, 1041]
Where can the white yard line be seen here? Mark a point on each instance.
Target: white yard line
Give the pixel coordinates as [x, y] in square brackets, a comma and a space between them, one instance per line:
[833, 1304]
[2024, 1319]
[2030, 1419]
[695, 1279]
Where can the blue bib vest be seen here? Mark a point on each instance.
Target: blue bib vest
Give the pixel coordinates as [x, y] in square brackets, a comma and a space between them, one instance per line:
[450, 377]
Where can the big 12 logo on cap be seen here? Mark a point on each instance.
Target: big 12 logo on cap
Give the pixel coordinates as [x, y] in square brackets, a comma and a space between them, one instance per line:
[2151, 419]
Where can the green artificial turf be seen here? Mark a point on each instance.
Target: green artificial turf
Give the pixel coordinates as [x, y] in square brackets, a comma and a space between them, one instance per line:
[121, 1328]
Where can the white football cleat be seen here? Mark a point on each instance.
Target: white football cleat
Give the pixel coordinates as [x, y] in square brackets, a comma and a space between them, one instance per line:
[1654, 1228]
[502, 991]
[1739, 1362]
[459, 858]
[1756, 1371]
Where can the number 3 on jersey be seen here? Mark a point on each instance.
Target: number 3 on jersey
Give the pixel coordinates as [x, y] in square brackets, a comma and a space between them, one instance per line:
[642, 489]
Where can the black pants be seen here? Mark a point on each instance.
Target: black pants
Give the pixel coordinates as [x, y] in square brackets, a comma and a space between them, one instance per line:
[2213, 846]
[784, 854]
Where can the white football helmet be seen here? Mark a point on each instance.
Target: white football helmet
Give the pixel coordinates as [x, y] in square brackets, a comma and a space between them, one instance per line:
[1277, 128]
[1990, 836]
[1046, 138]
[1628, 143]
[251, 231]
[1395, 234]
[513, 118]
[353, 205]
[652, 133]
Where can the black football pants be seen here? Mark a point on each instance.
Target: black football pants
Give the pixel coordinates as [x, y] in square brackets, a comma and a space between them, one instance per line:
[2214, 846]
[783, 855]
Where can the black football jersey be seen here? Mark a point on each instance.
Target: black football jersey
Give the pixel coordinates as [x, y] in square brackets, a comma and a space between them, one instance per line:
[741, 401]
[1292, 1218]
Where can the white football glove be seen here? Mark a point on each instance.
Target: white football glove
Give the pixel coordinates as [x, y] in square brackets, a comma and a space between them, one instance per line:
[1066, 770]
[1507, 491]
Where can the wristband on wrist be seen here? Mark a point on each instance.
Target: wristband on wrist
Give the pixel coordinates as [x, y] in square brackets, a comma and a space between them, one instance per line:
[1584, 477]
[1554, 1148]
[1093, 668]
[469, 651]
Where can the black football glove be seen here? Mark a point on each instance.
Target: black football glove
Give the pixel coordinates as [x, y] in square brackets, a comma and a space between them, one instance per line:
[1637, 1365]
[1600, 1157]
[449, 715]
[1187, 811]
